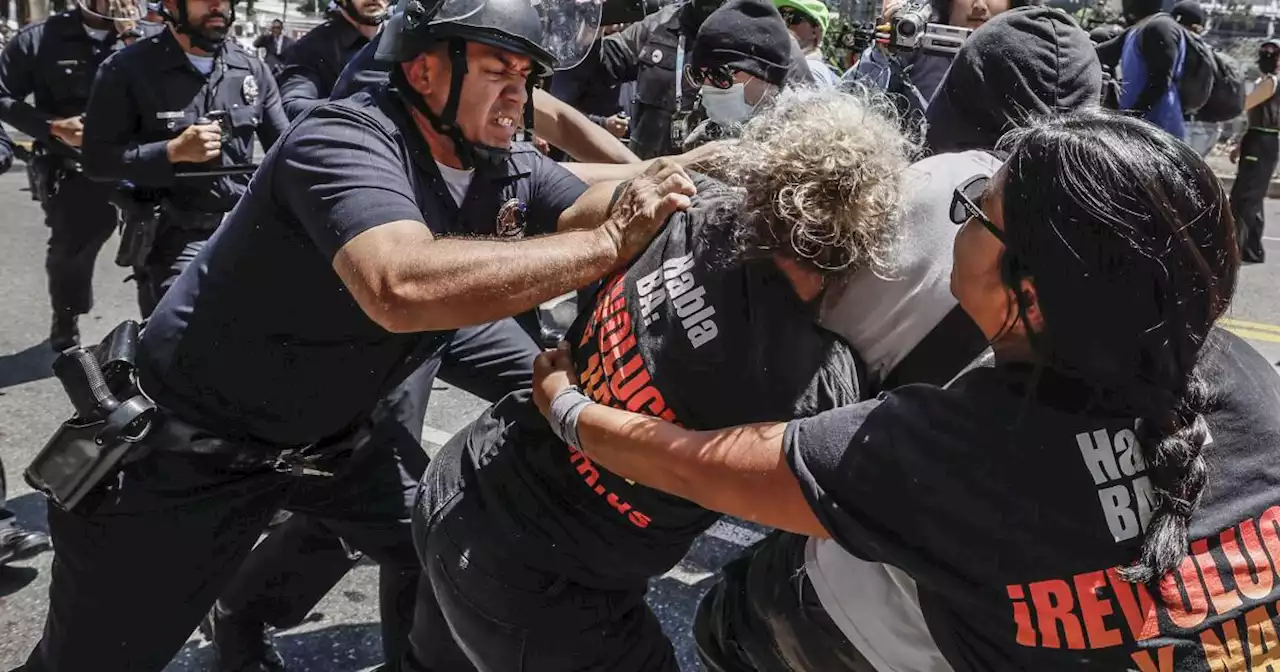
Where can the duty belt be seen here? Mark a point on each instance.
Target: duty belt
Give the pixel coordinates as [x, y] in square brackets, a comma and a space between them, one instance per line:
[172, 434]
[190, 220]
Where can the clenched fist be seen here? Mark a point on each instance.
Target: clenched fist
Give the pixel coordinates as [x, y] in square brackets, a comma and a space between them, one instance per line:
[196, 144]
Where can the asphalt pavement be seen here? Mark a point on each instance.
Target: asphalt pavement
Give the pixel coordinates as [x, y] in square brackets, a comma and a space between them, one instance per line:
[342, 633]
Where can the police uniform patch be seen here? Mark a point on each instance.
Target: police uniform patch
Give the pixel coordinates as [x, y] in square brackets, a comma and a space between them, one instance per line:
[510, 222]
[249, 90]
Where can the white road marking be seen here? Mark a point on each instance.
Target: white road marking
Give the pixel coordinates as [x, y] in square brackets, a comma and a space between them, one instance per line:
[436, 436]
[688, 575]
[734, 534]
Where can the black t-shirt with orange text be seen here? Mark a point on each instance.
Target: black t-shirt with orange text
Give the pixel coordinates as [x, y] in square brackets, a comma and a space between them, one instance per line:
[684, 333]
[1012, 517]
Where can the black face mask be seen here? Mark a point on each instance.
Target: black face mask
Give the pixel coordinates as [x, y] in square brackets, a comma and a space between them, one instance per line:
[1267, 61]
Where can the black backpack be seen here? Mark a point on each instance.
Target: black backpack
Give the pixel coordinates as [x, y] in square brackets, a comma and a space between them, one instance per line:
[1212, 85]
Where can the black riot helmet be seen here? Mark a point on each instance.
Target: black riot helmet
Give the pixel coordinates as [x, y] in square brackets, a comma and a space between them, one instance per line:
[554, 34]
[181, 23]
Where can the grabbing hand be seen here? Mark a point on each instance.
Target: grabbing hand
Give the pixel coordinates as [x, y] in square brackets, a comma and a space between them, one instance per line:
[552, 373]
[617, 125]
[644, 205]
[70, 130]
[196, 144]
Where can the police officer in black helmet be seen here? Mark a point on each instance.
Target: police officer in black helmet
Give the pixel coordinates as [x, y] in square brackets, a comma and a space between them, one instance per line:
[54, 62]
[314, 63]
[185, 101]
[374, 229]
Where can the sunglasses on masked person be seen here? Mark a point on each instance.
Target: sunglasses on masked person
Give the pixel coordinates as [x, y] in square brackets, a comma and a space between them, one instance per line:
[716, 76]
[964, 205]
[794, 18]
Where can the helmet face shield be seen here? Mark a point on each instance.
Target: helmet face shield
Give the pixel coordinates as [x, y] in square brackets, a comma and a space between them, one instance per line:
[569, 28]
[556, 33]
[125, 15]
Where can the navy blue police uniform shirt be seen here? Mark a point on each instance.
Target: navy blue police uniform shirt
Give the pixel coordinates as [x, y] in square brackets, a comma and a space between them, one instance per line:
[1012, 514]
[364, 70]
[54, 62]
[148, 93]
[315, 62]
[259, 337]
[685, 333]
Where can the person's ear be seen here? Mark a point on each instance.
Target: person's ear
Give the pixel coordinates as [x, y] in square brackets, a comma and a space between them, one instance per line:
[418, 72]
[1034, 320]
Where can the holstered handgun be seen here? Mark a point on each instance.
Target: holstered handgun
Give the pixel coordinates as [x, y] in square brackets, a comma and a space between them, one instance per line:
[42, 175]
[139, 225]
[104, 431]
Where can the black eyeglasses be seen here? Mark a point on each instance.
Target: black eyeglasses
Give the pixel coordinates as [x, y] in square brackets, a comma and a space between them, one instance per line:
[964, 204]
[792, 17]
[718, 76]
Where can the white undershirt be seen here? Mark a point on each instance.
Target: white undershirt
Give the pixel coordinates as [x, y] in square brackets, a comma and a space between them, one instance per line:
[457, 180]
[203, 64]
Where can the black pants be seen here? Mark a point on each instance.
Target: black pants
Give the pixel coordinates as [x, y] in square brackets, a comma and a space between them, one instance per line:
[174, 249]
[486, 609]
[1259, 151]
[164, 539]
[764, 617]
[299, 562]
[80, 220]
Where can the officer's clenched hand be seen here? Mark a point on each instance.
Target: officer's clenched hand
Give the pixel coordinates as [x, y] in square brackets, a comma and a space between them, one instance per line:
[196, 144]
[69, 130]
[644, 205]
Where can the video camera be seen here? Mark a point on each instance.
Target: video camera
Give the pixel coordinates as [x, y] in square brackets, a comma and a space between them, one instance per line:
[910, 28]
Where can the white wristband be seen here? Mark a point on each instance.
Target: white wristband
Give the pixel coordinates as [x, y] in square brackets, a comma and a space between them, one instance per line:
[565, 409]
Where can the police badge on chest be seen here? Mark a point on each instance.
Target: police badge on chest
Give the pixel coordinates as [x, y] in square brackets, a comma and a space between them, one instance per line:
[249, 90]
[511, 219]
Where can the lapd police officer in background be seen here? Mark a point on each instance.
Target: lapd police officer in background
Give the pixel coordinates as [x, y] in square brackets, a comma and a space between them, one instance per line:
[652, 53]
[185, 100]
[55, 61]
[314, 63]
[379, 226]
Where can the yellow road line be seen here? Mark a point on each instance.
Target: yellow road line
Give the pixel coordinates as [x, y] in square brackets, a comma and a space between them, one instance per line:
[1252, 326]
[1254, 335]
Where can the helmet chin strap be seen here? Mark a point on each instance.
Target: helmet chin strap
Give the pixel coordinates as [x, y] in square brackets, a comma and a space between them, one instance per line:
[471, 154]
[198, 40]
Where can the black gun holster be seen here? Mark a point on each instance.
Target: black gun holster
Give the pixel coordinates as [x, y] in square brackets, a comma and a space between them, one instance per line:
[112, 416]
[139, 217]
[44, 172]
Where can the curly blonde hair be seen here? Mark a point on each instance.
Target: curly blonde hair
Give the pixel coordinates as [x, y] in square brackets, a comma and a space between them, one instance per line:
[820, 168]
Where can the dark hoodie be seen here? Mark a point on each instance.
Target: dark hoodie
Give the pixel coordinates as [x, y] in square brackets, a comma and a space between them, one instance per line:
[1021, 64]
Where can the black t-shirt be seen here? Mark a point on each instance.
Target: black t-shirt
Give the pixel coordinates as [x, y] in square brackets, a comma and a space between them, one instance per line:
[1012, 517]
[260, 337]
[683, 334]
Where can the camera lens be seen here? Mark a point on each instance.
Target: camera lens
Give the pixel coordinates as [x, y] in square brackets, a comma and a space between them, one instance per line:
[907, 28]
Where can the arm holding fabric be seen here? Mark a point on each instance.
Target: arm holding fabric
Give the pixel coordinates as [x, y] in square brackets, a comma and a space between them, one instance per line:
[741, 471]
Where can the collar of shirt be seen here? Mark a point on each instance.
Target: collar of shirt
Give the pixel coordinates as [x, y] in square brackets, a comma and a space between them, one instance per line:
[172, 56]
[70, 26]
[346, 34]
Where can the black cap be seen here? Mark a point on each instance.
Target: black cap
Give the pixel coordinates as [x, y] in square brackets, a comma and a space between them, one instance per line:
[745, 35]
[1188, 13]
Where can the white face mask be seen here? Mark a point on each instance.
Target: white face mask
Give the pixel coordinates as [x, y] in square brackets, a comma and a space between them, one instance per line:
[727, 107]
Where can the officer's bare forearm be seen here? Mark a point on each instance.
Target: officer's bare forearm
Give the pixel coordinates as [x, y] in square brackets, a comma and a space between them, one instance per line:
[407, 281]
[561, 125]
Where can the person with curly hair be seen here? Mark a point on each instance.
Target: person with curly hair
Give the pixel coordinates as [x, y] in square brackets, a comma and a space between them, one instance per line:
[1102, 498]
[537, 558]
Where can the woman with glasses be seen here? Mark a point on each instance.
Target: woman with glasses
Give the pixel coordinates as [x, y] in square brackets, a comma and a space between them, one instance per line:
[539, 559]
[1103, 498]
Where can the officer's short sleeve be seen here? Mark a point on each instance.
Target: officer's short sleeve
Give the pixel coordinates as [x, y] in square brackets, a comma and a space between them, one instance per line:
[339, 174]
[554, 190]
